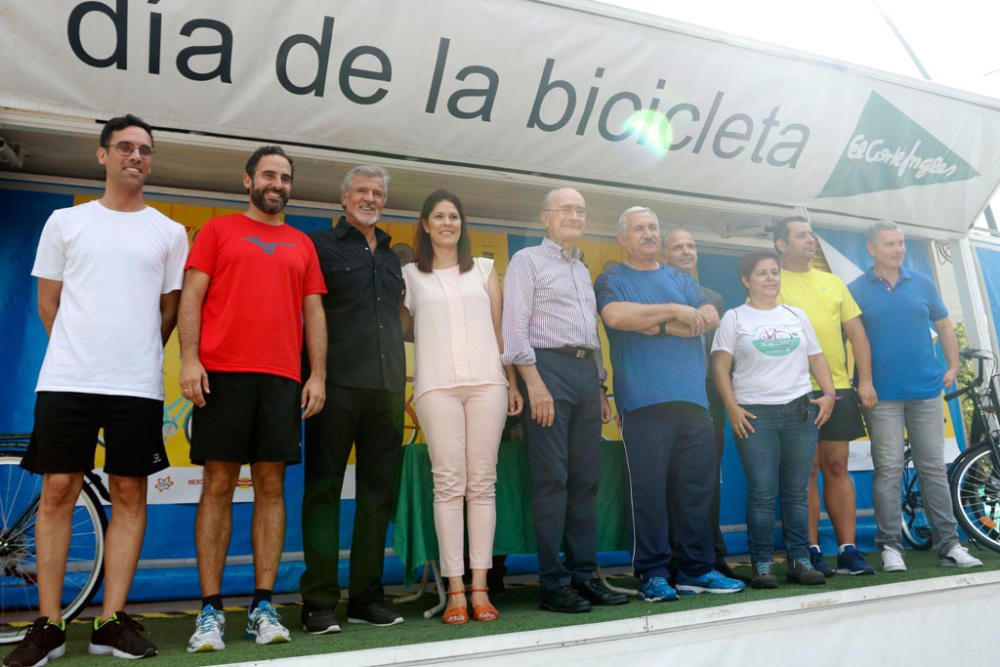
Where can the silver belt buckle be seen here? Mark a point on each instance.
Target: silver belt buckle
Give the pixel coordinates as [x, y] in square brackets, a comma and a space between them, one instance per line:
[581, 353]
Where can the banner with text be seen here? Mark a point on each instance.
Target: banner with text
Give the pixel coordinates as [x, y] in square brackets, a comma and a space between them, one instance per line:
[516, 85]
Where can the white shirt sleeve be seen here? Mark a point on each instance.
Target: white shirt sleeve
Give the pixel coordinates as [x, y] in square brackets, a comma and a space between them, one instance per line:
[485, 266]
[410, 285]
[725, 335]
[173, 276]
[50, 258]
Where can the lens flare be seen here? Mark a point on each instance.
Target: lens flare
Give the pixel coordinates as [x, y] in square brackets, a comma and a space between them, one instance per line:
[652, 130]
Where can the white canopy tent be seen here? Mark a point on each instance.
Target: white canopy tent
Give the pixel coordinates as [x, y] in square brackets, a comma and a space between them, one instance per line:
[501, 100]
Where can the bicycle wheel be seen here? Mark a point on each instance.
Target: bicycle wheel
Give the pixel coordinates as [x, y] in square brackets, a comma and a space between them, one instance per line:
[916, 529]
[975, 495]
[20, 492]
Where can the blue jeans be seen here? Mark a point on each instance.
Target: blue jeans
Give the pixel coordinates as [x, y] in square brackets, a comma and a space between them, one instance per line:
[778, 457]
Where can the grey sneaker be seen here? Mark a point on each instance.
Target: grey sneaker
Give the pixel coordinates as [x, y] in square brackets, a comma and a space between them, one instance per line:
[763, 576]
[801, 571]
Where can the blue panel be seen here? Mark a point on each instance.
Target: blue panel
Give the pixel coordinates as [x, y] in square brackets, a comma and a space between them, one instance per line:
[721, 273]
[989, 267]
[854, 246]
[22, 339]
[309, 223]
[516, 242]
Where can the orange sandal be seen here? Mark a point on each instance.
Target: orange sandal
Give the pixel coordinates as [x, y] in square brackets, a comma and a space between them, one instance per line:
[456, 615]
[486, 611]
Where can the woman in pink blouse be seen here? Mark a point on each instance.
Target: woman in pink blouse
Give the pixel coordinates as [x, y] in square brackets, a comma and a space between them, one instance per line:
[462, 393]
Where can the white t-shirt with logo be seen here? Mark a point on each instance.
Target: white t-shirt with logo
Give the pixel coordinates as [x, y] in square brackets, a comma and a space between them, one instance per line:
[771, 350]
[114, 267]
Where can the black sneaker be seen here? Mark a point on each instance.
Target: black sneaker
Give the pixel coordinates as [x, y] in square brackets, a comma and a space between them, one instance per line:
[44, 640]
[121, 637]
[564, 600]
[373, 613]
[319, 620]
[595, 592]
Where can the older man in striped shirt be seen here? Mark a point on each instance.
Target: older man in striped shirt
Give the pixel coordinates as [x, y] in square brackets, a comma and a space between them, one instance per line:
[550, 334]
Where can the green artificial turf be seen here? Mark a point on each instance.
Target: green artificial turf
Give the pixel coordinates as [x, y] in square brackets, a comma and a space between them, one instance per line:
[518, 607]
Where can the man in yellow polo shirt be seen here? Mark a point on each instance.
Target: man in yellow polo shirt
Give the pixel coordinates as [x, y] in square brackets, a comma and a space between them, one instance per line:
[833, 313]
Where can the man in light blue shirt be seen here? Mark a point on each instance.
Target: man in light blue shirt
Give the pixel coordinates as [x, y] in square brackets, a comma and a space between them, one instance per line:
[898, 308]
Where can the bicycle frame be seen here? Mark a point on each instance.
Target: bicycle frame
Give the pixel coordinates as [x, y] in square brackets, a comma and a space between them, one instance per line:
[983, 393]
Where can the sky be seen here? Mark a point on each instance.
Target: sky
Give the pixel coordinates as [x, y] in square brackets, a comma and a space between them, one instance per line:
[957, 40]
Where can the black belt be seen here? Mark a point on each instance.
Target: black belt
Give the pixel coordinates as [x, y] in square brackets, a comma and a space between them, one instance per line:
[576, 352]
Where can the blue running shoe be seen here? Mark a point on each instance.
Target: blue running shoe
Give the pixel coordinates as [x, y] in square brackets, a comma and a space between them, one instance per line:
[819, 563]
[852, 561]
[656, 589]
[710, 582]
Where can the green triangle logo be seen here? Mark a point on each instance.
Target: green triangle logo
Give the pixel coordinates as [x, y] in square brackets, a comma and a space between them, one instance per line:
[889, 151]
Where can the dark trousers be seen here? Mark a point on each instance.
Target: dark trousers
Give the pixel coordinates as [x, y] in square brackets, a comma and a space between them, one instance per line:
[564, 460]
[365, 417]
[671, 470]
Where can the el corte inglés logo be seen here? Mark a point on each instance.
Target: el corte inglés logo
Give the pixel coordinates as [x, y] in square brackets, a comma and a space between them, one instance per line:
[889, 151]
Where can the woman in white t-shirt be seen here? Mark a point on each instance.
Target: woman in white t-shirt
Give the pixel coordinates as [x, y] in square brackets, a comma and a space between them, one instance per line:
[762, 356]
[462, 393]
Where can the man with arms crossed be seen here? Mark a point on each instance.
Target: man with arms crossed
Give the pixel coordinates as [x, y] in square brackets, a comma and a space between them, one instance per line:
[550, 334]
[251, 282]
[109, 274]
[898, 307]
[666, 429]
[832, 313]
[680, 252]
[366, 372]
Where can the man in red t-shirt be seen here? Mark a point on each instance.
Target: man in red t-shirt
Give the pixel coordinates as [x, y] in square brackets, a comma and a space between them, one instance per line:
[251, 282]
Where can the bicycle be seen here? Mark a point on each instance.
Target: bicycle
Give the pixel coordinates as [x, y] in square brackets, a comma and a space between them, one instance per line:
[975, 475]
[916, 528]
[20, 495]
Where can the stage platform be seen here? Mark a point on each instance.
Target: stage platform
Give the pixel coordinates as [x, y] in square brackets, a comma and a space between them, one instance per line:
[942, 621]
[927, 616]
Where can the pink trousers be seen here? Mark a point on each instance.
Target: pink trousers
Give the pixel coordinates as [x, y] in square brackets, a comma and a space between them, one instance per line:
[463, 426]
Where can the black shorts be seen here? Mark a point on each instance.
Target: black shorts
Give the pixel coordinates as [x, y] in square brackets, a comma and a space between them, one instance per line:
[845, 424]
[65, 435]
[248, 418]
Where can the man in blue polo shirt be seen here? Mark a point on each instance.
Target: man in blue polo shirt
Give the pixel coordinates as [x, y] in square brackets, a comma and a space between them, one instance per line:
[898, 307]
[654, 316]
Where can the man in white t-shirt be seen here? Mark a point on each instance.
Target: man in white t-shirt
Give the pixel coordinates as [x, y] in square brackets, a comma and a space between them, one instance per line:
[109, 278]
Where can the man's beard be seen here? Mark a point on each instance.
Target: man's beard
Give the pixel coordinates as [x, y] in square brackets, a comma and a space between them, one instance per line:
[258, 197]
[365, 218]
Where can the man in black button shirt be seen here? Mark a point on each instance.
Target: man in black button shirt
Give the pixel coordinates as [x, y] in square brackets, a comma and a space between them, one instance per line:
[365, 372]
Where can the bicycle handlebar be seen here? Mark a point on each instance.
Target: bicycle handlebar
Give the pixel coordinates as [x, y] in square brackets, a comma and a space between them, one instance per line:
[958, 392]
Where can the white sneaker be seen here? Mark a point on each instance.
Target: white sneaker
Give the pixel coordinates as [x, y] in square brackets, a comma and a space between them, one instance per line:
[892, 560]
[264, 625]
[959, 556]
[209, 631]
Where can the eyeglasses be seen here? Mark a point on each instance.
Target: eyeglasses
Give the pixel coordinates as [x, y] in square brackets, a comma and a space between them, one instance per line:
[126, 148]
[578, 211]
